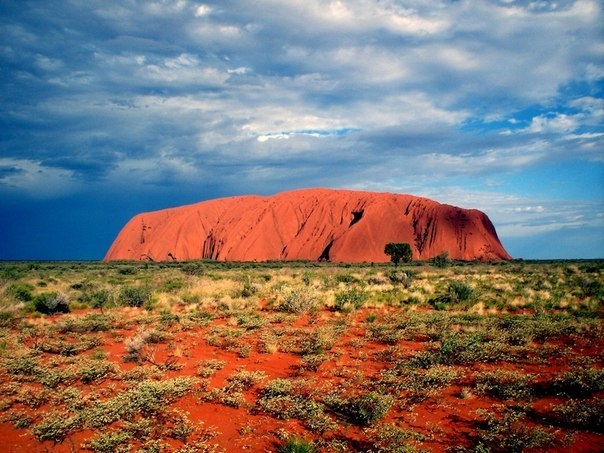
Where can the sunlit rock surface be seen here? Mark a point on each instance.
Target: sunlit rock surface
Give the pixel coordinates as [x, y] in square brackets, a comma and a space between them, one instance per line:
[312, 224]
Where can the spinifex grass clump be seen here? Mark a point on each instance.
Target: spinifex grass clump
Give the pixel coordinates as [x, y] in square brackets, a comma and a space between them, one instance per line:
[510, 431]
[505, 384]
[295, 445]
[294, 398]
[362, 410]
[299, 299]
[350, 300]
[232, 394]
[579, 383]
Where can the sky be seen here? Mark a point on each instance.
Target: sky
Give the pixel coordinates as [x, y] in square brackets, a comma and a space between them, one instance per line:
[112, 108]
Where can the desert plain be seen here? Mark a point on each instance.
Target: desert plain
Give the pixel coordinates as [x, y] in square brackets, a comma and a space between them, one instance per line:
[204, 356]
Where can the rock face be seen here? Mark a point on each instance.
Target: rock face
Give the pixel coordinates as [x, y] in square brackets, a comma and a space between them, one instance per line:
[312, 224]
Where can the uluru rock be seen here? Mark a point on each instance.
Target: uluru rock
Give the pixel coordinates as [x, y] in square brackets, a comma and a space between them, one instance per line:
[312, 224]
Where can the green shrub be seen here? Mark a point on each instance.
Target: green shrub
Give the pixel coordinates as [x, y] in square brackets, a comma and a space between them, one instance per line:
[192, 268]
[100, 299]
[56, 426]
[172, 285]
[51, 303]
[127, 270]
[587, 414]
[7, 318]
[346, 278]
[286, 398]
[135, 296]
[350, 300]
[417, 384]
[362, 410]
[295, 445]
[21, 291]
[510, 432]
[462, 349]
[109, 442]
[147, 398]
[441, 260]
[95, 370]
[507, 385]
[318, 341]
[384, 333]
[298, 299]
[390, 438]
[580, 382]
[456, 292]
[208, 367]
[459, 291]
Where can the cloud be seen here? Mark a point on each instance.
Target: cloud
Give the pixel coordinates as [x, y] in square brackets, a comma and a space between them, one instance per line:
[224, 96]
[35, 179]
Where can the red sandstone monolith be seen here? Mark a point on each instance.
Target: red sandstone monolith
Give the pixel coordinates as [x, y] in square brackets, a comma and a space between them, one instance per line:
[312, 224]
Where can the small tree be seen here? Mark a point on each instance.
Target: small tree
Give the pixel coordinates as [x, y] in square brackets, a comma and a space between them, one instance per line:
[399, 251]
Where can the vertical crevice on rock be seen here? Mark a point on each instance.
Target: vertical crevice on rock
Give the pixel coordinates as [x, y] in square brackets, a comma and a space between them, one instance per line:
[143, 229]
[209, 247]
[325, 255]
[356, 216]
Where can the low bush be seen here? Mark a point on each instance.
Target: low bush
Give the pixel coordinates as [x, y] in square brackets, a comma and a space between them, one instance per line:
[21, 291]
[299, 299]
[390, 438]
[135, 296]
[100, 299]
[580, 383]
[295, 445]
[51, 303]
[457, 292]
[318, 341]
[56, 426]
[507, 385]
[401, 278]
[7, 318]
[384, 333]
[441, 260]
[462, 349]
[374, 279]
[208, 367]
[416, 385]
[362, 410]
[346, 278]
[109, 442]
[287, 398]
[350, 300]
[510, 432]
[587, 414]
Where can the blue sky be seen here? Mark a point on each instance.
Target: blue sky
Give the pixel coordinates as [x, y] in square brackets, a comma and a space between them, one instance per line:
[110, 108]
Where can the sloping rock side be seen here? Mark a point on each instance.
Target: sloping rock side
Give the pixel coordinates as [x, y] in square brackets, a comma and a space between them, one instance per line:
[311, 224]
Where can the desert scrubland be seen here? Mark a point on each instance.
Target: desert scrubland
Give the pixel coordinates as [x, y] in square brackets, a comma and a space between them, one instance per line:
[299, 356]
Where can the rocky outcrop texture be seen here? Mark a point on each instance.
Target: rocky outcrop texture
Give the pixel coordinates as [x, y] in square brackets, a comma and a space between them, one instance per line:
[312, 224]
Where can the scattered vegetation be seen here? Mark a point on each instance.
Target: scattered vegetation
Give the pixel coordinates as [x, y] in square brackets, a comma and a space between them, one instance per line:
[128, 356]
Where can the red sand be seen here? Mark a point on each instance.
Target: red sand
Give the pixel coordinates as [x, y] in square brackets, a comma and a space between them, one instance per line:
[312, 224]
